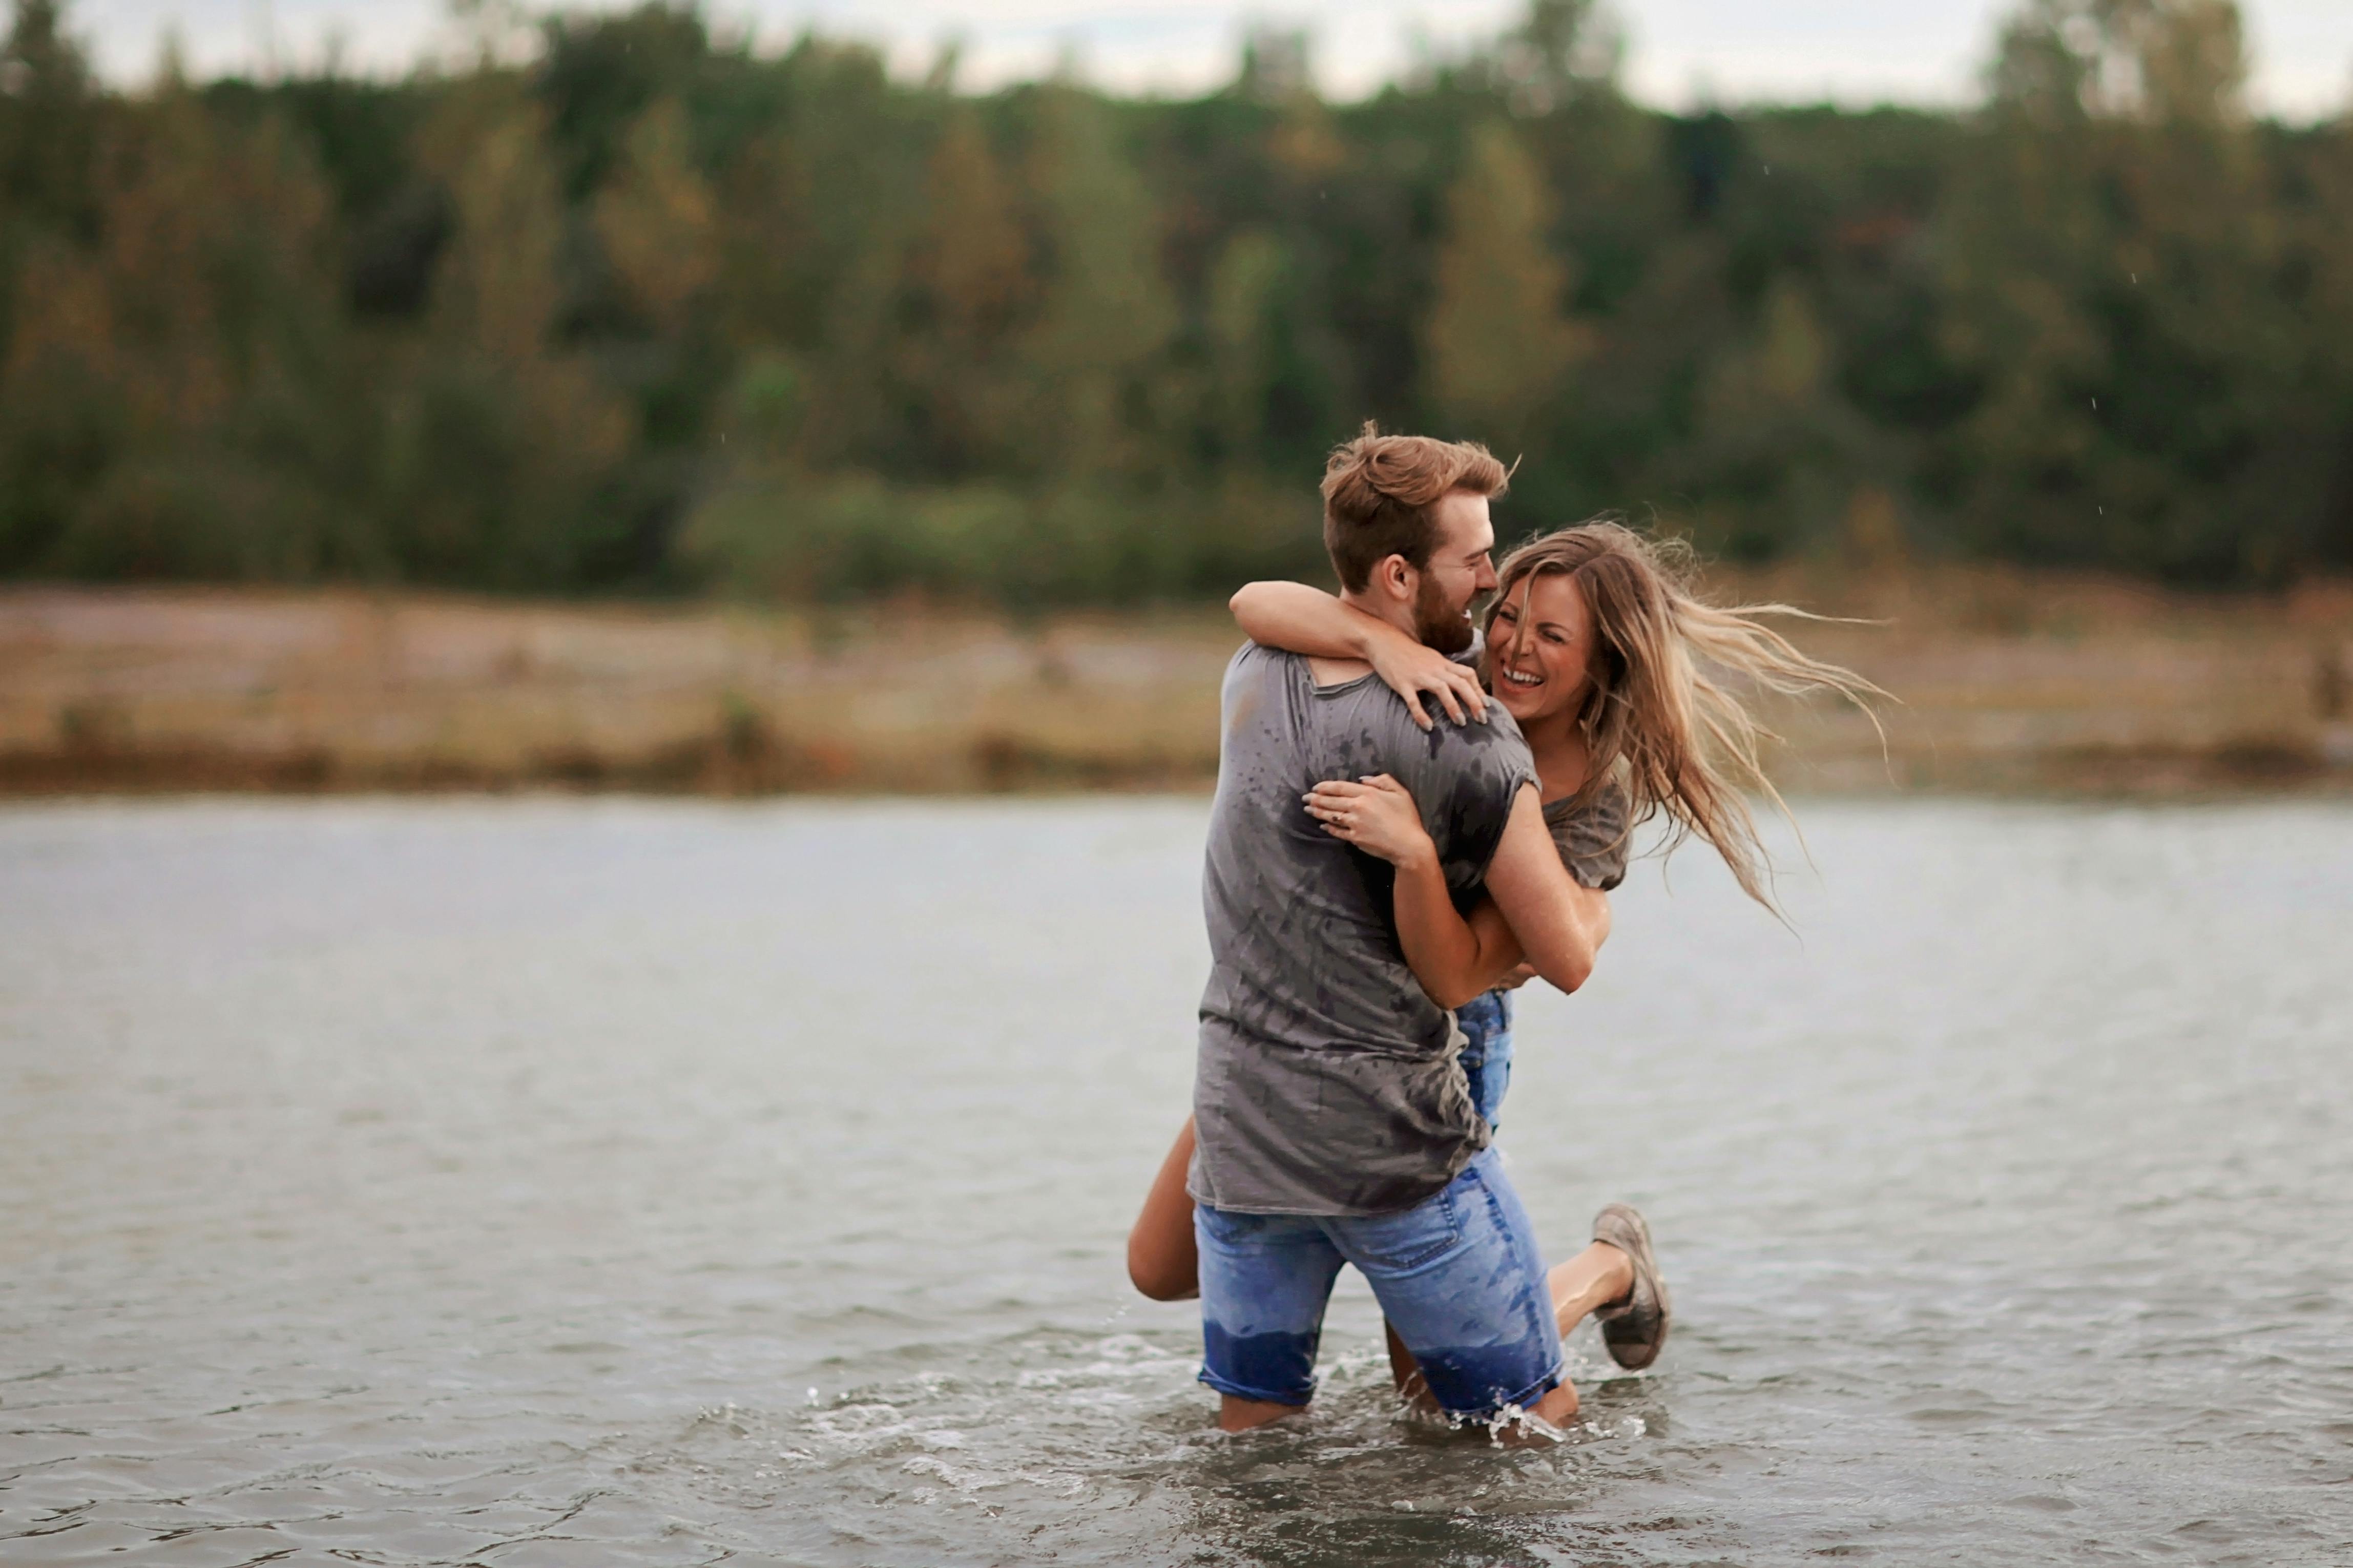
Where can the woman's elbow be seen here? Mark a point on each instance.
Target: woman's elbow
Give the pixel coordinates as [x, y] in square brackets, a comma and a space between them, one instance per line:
[1457, 988]
[1569, 972]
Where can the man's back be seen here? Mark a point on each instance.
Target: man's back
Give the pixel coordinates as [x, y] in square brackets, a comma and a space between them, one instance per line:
[1326, 1081]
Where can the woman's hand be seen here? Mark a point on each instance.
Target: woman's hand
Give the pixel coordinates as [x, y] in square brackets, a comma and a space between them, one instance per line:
[1378, 815]
[1409, 668]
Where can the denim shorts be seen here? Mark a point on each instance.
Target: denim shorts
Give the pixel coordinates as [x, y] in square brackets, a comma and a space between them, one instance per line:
[1486, 1025]
[1458, 1275]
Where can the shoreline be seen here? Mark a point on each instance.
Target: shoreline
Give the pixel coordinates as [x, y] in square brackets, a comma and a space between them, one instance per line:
[2009, 684]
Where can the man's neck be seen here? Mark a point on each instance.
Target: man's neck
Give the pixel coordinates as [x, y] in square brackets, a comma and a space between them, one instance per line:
[1388, 611]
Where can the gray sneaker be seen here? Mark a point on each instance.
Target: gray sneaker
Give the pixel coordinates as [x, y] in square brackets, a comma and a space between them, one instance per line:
[1635, 1328]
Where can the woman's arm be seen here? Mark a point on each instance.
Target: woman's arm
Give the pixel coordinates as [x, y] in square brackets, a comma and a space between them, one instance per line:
[1558, 925]
[1454, 958]
[1300, 620]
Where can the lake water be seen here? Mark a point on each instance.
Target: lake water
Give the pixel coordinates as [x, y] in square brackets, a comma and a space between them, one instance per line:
[605, 1182]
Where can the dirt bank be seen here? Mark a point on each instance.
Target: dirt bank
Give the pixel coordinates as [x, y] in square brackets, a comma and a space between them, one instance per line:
[2007, 682]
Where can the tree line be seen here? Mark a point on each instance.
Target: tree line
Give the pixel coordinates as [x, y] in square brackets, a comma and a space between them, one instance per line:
[647, 309]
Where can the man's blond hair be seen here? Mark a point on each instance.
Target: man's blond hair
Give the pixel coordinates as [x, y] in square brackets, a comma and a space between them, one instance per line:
[1379, 492]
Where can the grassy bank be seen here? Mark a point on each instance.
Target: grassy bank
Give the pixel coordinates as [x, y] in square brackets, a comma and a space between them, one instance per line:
[2006, 681]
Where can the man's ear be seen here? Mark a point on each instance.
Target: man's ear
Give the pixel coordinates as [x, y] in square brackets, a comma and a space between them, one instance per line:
[1395, 575]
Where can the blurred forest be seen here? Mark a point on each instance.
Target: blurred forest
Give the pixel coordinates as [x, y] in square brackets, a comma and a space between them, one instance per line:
[645, 309]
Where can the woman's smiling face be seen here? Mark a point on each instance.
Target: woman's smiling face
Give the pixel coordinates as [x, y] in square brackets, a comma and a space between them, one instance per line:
[1538, 646]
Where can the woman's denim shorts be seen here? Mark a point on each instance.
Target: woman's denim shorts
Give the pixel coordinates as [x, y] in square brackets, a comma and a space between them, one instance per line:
[1486, 1025]
[1458, 1275]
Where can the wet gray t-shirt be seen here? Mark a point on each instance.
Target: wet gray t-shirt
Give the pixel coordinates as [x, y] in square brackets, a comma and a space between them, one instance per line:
[1327, 1082]
[1592, 837]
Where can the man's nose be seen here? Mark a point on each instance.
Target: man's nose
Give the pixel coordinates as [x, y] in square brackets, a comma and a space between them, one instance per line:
[1485, 578]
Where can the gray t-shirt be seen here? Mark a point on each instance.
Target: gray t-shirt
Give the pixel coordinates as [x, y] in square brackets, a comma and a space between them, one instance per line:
[1327, 1083]
[1592, 838]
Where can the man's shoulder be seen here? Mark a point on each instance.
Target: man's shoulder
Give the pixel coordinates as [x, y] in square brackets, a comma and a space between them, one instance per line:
[1478, 748]
[1497, 734]
[1257, 656]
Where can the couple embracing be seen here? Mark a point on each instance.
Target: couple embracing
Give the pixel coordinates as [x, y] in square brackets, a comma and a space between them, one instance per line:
[1394, 844]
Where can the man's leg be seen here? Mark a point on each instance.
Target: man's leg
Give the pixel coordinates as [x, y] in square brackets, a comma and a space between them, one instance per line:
[1601, 1275]
[1265, 1280]
[1460, 1280]
[1237, 1414]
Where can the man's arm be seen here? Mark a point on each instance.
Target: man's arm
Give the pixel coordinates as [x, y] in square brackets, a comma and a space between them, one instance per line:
[1558, 925]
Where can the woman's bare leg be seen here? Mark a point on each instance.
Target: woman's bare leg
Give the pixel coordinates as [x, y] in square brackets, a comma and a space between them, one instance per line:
[1163, 1258]
[1587, 1282]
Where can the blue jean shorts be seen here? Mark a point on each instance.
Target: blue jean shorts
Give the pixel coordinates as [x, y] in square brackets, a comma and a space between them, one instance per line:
[1486, 1025]
[1458, 1275]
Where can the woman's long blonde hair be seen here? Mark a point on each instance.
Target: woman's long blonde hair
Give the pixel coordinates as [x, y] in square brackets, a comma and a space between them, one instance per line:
[1657, 713]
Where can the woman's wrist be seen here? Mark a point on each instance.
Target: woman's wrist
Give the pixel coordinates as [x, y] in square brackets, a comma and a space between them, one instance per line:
[1421, 860]
[1372, 635]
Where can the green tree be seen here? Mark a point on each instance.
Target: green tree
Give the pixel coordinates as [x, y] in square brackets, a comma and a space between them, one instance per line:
[656, 220]
[500, 441]
[1105, 313]
[1499, 340]
[1240, 312]
[170, 390]
[968, 273]
[48, 124]
[2115, 258]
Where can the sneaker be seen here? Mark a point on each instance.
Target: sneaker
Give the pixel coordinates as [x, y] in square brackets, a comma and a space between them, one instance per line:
[1635, 1328]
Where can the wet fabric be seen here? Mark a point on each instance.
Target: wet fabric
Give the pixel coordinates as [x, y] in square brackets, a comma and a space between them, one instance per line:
[1458, 1276]
[1592, 836]
[1486, 1055]
[1327, 1082]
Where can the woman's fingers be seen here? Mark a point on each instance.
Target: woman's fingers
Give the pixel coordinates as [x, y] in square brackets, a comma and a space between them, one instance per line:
[1464, 683]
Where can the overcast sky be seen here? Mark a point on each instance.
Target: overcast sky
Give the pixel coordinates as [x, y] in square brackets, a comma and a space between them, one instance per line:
[1681, 51]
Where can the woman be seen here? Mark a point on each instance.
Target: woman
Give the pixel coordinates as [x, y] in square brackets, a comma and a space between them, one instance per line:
[1600, 646]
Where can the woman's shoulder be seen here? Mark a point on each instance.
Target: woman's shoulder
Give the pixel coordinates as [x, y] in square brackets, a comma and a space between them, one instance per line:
[1592, 829]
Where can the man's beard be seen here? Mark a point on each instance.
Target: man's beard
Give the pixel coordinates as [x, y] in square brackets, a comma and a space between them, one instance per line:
[1435, 623]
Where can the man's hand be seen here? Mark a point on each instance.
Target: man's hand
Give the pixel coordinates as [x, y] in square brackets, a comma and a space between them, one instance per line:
[1410, 669]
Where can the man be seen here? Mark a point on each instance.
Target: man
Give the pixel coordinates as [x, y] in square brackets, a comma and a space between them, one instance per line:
[1332, 1123]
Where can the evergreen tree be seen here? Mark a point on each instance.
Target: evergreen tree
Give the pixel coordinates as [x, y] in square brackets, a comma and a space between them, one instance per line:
[656, 220]
[1105, 312]
[967, 274]
[499, 441]
[1499, 340]
[1244, 298]
[505, 326]
[169, 389]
